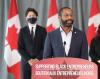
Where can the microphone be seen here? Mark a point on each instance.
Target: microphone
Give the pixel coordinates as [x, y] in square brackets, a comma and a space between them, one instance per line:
[64, 43]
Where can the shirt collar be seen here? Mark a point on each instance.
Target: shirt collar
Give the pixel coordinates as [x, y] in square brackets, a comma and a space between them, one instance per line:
[32, 25]
[63, 30]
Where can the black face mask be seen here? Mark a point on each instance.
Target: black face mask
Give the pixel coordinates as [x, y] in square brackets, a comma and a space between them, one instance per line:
[66, 23]
[32, 20]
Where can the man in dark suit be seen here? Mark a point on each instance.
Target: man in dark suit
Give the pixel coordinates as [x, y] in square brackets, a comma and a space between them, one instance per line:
[30, 43]
[66, 40]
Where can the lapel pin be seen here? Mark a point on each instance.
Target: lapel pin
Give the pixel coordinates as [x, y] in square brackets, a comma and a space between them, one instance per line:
[75, 32]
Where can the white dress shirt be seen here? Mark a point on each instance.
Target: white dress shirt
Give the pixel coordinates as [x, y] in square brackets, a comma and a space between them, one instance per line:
[66, 38]
[30, 27]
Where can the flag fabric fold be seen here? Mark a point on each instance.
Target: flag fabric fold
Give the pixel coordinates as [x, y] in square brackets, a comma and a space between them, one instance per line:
[94, 21]
[11, 54]
[53, 21]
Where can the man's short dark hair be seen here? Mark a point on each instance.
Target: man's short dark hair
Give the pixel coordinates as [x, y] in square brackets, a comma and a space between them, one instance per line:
[31, 9]
[60, 11]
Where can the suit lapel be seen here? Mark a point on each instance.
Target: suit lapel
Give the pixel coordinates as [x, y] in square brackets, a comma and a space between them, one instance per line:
[59, 41]
[74, 33]
[37, 31]
[28, 34]
[37, 37]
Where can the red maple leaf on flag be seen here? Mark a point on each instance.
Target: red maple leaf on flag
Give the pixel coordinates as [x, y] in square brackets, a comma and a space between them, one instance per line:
[50, 28]
[91, 33]
[12, 37]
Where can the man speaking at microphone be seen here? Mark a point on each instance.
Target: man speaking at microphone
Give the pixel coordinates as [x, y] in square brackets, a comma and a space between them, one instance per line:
[66, 41]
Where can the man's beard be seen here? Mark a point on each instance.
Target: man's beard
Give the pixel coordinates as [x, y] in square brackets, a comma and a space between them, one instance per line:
[67, 23]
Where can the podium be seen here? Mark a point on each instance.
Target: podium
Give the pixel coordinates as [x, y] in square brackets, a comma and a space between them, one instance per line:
[64, 68]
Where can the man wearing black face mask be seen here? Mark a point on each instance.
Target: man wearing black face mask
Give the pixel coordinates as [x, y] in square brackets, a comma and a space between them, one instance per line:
[30, 43]
[66, 41]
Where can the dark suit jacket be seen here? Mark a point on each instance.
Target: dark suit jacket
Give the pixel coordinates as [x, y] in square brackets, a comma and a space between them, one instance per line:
[54, 46]
[30, 48]
[95, 50]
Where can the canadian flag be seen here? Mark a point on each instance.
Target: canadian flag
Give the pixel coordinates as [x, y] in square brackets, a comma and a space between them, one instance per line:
[11, 54]
[53, 21]
[94, 21]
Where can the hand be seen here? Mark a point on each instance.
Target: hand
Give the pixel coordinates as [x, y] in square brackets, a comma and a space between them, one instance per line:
[36, 60]
[31, 61]
[98, 61]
